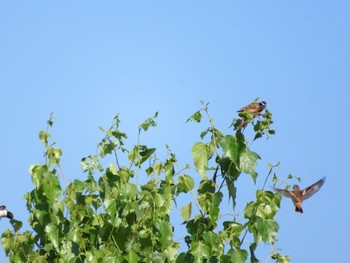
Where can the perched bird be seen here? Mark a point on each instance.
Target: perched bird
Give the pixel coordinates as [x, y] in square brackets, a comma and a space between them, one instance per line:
[5, 213]
[298, 196]
[256, 108]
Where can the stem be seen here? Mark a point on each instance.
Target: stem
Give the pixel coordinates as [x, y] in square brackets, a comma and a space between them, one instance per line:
[222, 183]
[64, 178]
[139, 159]
[116, 159]
[215, 173]
[268, 175]
[212, 127]
[245, 233]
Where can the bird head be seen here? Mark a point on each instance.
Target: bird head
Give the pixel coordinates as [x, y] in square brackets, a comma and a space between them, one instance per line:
[296, 187]
[262, 104]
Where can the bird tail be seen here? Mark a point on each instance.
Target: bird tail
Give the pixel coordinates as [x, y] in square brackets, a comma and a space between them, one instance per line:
[242, 124]
[299, 210]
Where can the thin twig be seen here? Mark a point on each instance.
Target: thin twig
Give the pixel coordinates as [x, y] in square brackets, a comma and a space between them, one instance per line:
[64, 178]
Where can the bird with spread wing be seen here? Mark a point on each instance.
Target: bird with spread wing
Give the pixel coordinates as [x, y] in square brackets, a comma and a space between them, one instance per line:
[298, 196]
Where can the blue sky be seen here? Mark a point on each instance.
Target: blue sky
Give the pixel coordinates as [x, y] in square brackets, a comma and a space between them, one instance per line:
[87, 61]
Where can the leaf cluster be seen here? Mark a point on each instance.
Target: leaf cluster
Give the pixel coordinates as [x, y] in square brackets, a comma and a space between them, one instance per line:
[111, 217]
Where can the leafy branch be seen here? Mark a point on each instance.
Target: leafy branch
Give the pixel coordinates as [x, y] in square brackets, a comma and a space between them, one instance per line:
[110, 216]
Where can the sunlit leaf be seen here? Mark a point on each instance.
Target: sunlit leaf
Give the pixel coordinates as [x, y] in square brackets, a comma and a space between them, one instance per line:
[200, 251]
[132, 256]
[201, 153]
[247, 162]
[268, 230]
[281, 258]
[52, 232]
[185, 184]
[150, 122]
[231, 148]
[238, 256]
[159, 200]
[165, 232]
[186, 212]
[44, 137]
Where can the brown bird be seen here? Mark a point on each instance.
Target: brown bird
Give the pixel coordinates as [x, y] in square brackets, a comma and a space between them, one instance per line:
[298, 196]
[256, 108]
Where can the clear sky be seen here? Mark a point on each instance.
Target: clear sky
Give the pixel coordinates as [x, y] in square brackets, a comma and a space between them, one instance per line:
[88, 60]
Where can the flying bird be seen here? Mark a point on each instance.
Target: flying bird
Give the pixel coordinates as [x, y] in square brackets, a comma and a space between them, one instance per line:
[298, 196]
[5, 213]
[255, 108]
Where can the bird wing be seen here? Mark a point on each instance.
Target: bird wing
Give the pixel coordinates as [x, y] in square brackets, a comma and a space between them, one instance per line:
[286, 193]
[312, 189]
[251, 107]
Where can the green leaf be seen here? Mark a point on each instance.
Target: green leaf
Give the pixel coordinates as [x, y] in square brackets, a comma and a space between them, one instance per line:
[119, 135]
[159, 200]
[232, 190]
[39, 216]
[228, 168]
[231, 148]
[17, 225]
[146, 153]
[50, 121]
[165, 232]
[184, 258]
[255, 209]
[186, 212]
[215, 242]
[185, 184]
[69, 251]
[197, 117]
[107, 148]
[44, 137]
[140, 154]
[132, 256]
[270, 199]
[206, 194]
[110, 206]
[52, 232]
[268, 230]
[52, 188]
[149, 122]
[90, 163]
[238, 256]
[281, 258]
[7, 239]
[232, 231]
[37, 171]
[247, 162]
[200, 251]
[79, 185]
[54, 155]
[215, 208]
[201, 153]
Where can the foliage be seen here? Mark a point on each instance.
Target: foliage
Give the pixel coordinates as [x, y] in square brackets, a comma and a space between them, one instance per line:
[111, 217]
